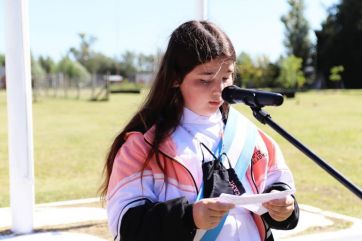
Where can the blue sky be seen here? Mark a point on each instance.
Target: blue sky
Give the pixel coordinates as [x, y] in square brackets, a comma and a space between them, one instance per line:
[254, 26]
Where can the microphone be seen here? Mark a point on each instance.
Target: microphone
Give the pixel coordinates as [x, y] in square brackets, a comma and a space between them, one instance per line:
[253, 98]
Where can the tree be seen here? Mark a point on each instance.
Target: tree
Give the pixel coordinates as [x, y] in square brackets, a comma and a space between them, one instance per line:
[267, 72]
[255, 74]
[291, 75]
[128, 64]
[296, 32]
[73, 69]
[335, 75]
[37, 71]
[47, 64]
[82, 54]
[101, 64]
[146, 62]
[93, 61]
[246, 69]
[339, 43]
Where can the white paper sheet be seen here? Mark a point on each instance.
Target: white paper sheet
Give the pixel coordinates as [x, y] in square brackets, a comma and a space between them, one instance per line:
[253, 202]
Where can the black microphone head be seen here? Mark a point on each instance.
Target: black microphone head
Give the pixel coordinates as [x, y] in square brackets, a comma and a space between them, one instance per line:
[228, 94]
[267, 98]
[254, 98]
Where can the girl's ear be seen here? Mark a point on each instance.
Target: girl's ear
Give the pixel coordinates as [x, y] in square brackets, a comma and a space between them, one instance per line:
[176, 84]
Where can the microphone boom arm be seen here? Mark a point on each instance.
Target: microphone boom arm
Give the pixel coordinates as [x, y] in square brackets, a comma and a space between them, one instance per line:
[265, 118]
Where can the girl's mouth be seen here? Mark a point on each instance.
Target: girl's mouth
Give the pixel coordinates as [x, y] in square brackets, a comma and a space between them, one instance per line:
[216, 103]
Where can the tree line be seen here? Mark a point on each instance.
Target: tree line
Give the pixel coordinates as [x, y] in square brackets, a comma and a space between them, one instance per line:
[81, 62]
[333, 62]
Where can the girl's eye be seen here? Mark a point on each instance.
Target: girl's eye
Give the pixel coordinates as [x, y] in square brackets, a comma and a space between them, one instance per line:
[225, 79]
[205, 82]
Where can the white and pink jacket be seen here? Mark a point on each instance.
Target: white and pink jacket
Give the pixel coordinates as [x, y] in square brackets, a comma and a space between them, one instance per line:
[141, 205]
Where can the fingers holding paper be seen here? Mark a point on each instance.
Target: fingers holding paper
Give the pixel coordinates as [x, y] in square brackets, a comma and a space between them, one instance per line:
[208, 212]
[280, 209]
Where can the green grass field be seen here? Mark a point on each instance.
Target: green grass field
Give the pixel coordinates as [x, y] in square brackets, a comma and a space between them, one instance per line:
[71, 139]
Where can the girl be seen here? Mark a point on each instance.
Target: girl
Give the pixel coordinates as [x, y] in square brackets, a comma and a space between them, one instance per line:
[167, 167]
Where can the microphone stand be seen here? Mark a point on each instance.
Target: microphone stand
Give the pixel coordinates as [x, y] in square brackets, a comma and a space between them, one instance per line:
[265, 118]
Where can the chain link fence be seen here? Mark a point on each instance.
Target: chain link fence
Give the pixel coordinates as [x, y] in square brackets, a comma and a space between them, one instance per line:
[60, 85]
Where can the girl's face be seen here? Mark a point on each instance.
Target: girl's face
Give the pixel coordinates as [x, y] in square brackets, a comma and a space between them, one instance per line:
[201, 88]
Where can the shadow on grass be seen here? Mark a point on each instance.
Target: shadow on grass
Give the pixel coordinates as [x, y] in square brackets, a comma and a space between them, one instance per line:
[131, 91]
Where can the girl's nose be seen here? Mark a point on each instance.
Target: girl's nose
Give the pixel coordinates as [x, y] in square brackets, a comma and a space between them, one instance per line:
[219, 86]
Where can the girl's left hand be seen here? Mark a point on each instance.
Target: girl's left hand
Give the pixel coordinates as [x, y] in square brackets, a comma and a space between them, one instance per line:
[280, 209]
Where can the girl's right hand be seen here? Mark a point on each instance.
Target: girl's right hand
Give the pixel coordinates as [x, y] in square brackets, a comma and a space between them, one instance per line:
[208, 212]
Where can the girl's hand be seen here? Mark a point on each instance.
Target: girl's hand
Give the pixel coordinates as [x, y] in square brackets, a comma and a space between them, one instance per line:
[280, 209]
[208, 212]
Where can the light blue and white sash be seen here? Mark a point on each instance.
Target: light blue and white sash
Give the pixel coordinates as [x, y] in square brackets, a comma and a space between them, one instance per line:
[238, 143]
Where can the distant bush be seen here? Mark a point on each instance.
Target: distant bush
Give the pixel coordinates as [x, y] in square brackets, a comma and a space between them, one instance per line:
[126, 87]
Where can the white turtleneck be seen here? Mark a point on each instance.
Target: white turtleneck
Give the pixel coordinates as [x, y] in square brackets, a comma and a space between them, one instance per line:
[192, 130]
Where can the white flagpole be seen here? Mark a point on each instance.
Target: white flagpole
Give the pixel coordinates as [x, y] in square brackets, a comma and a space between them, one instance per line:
[201, 9]
[19, 105]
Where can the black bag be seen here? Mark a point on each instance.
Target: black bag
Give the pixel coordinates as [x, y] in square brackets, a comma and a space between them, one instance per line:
[217, 179]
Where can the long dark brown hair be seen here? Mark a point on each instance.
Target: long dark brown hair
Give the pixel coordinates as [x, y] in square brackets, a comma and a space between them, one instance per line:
[191, 44]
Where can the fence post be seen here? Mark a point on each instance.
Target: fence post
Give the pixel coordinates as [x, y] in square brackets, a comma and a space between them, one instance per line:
[78, 87]
[65, 87]
[107, 87]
